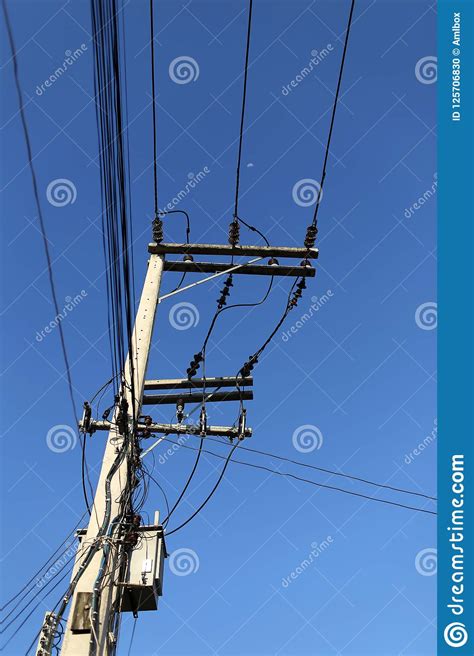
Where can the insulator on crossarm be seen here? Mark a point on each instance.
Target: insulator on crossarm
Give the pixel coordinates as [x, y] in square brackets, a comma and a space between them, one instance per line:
[157, 230]
[234, 233]
[301, 284]
[311, 232]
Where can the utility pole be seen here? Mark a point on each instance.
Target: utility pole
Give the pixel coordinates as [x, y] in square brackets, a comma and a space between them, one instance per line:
[78, 635]
[100, 593]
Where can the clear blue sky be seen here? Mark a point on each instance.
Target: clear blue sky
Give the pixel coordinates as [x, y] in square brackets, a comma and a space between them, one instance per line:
[361, 369]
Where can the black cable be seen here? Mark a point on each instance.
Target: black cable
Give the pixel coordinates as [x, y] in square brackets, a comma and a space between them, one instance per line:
[161, 489]
[132, 636]
[254, 229]
[190, 478]
[25, 619]
[34, 576]
[153, 93]
[211, 493]
[35, 639]
[329, 471]
[41, 219]
[242, 115]
[298, 478]
[188, 222]
[336, 98]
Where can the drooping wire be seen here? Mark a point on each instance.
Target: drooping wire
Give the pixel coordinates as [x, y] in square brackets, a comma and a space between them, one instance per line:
[41, 221]
[37, 573]
[187, 484]
[211, 493]
[328, 471]
[132, 636]
[242, 114]
[293, 476]
[333, 113]
[153, 94]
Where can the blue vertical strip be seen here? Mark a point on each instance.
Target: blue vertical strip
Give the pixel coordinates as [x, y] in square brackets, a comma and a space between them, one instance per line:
[456, 327]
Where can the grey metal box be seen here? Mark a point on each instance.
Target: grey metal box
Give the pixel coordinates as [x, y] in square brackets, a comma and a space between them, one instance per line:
[144, 580]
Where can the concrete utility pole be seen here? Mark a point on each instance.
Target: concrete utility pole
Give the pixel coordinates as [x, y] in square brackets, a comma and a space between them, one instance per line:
[111, 575]
[78, 635]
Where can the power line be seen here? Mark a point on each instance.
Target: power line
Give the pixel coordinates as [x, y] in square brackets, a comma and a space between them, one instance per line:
[42, 227]
[330, 471]
[153, 93]
[294, 476]
[211, 493]
[34, 576]
[334, 107]
[242, 114]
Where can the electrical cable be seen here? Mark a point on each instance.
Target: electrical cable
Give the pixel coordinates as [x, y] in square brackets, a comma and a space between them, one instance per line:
[153, 94]
[298, 478]
[41, 219]
[211, 493]
[333, 114]
[242, 114]
[190, 477]
[132, 636]
[34, 576]
[329, 471]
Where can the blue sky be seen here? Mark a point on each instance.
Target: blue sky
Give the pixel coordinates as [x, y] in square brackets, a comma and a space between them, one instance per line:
[361, 372]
